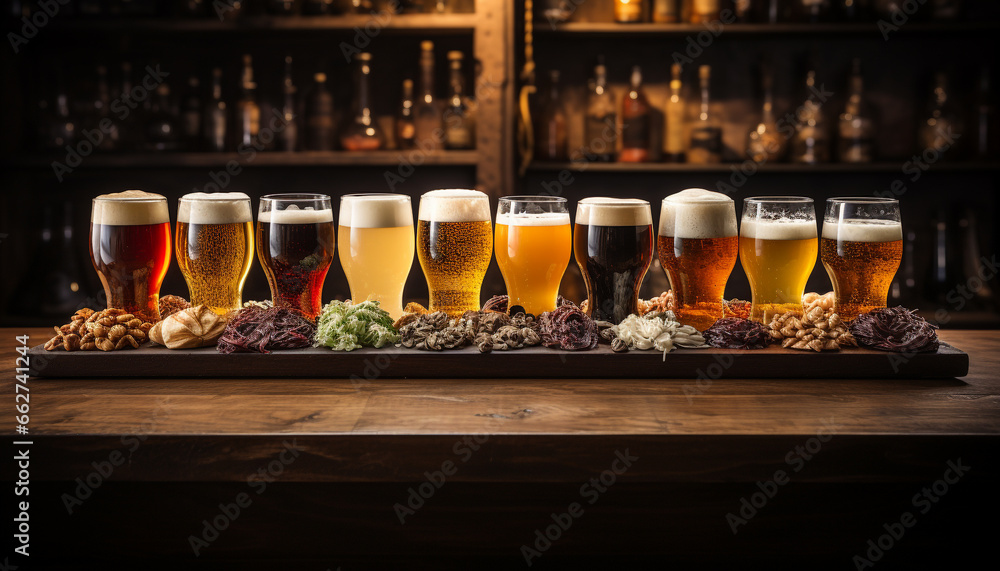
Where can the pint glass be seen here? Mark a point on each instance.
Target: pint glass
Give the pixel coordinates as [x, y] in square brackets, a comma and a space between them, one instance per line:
[454, 246]
[375, 240]
[778, 247]
[295, 245]
[697, 246]
[533, 244]
[215, 247]
[130, 249]
[613, 245]
[861, 248]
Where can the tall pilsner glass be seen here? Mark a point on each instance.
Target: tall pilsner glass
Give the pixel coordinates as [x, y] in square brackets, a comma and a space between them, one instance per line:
[533, 246]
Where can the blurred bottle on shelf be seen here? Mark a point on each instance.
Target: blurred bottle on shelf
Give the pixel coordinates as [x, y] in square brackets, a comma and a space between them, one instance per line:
[247, 110]
[629, 11]
[61, 129]
[102, 113]
[551, 128]
[674, 116]
[981, 291]
[897, 10]
[408, 6]
[636, 122]
[319, 116]
[216, 117]
[282, 7]
[288, 136]
[406, 129]
[317, 7]
[553, 10]
[361, 6]
[853, 10]
[427, 113]
[986, 119]
[745, 10]
[361, 132]
[459, 116]
[228, 9]
[812, 11]
[666, 11]
[956, 276]
[855, 126]
[811, 141]
[191, 112]
[162, 133]
[600, 122]
[942, 128]
[903, 290]
[765, 143]
[191, 8]
[703, 11]
[706, 129]
[442, 6]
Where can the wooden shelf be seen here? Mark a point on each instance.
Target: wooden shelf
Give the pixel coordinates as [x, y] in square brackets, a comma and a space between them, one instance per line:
[770, 30]
[422, 23]
[262, 159]
[826, 168]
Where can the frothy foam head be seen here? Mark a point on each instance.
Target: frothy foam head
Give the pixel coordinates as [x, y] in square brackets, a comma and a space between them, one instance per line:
[130, 208]
[780, 229]
[455, 205]
[698, 213]
[853, 230]
[375, 211]
[295, 215]
[534, 219]
[613, 212]
[214, 208]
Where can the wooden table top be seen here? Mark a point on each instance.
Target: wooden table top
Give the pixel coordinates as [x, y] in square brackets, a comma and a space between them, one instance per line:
[396, 429]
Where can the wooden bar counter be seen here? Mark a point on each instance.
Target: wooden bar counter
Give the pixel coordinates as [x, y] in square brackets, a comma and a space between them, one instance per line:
[452, 473]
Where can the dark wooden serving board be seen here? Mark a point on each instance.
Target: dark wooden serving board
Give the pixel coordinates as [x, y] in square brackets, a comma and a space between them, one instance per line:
[534, 362]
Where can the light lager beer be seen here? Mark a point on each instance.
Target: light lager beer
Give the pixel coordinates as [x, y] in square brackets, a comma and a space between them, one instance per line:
[533, 245]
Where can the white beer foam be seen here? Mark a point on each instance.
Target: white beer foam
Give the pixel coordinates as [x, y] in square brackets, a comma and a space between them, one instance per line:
[376, 211]
[296, 216]
[454, 205]
[780, 229]
[854, 230]
[534, 219]
[599, 211]
[130, 208]
[698, 213]
[214, 208]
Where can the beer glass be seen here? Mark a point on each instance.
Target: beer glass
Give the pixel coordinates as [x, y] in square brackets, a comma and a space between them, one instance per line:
[778, 246]
[375, 240]
[295, 245]
[533, 244]
[861, 247]
[454, 246]
[130, 249]
[697, 246]
[215, 247]
[613, 245]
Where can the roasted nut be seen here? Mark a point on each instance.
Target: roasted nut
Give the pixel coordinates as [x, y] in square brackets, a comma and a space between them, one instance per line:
[71, 342]
[54, 343]
[88, 346]
[127, 341]
[105, 344]
[619, 346]
[117, 332]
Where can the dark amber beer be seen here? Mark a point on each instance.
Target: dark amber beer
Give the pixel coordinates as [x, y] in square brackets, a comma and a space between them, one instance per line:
[697, 246]
[295, 245]
[613, 245]
[215, 247]
[130, 249]
[861, 249]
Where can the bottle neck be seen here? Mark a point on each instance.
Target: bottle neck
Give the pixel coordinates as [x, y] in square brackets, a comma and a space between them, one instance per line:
[704, 98]
[364, 78]
[427, 77]
[457, 83]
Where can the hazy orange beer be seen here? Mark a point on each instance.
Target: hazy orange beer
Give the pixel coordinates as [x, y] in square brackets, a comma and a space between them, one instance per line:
[533, 244]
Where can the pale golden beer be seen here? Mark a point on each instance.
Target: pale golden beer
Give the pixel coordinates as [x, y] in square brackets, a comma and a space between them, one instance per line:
[861, 248]
[454, 246]
[533, 246]
[778, 247]
[375, 242]
[215, 247]
[697, 246]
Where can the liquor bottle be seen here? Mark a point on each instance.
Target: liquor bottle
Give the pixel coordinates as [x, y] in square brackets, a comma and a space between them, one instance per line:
[765, 143]
[938, 131]
[853, 10]
[812, 11]
[361, 6]
[288, 136]
[62, 129]
[744, 10]
[600, 121]
[636, 128]
[216, 116]
[102, 112]
[771, 11]
[811, 142]
[161, 127]
[551, 138]
[191, 111]
[282, 7]
[706, 132]
[986, 135]
[666, 11]
[317, 7]
[228, 9]
[361, 132]
[319, 116]
[406, 129]
[427, 113]
[674, 114]
[703, 11]
[247, 109]
[459, 124]
[629, 11]
[855, 126]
